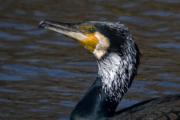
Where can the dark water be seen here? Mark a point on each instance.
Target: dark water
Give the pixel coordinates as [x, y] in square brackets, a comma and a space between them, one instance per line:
[43, 74]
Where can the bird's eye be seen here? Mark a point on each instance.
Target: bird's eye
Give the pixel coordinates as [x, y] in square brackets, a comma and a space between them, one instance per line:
[88, 29]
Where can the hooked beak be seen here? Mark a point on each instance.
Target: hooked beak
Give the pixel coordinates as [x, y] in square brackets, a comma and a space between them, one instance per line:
[89, 41]
[67, 29]
[86, 34]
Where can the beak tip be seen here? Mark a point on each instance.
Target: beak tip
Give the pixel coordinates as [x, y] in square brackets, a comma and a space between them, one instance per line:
[42, 24]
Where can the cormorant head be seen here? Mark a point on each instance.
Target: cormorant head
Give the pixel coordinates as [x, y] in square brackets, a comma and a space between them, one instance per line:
[118, 59]
[97, 37]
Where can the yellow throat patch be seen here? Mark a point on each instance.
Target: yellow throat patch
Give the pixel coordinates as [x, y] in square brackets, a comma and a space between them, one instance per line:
[90, 42]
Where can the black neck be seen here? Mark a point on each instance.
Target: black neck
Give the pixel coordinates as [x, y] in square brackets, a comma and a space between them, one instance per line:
[95, 105]
[115, 74]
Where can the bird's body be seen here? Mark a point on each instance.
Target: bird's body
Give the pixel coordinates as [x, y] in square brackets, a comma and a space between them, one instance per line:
[162, 108]
[118, 59]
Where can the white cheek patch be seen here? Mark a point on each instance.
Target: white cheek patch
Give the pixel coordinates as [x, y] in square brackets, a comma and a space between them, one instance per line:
[102, 46]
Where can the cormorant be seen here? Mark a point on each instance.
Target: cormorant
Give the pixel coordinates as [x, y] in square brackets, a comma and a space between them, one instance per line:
[118, 58]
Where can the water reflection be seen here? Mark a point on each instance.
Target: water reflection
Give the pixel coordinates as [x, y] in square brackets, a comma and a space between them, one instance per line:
[43, 74]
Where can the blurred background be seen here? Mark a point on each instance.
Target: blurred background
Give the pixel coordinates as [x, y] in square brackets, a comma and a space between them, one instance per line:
[43, 74]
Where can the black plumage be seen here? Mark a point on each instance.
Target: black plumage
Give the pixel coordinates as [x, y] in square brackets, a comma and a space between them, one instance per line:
[117, 67]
